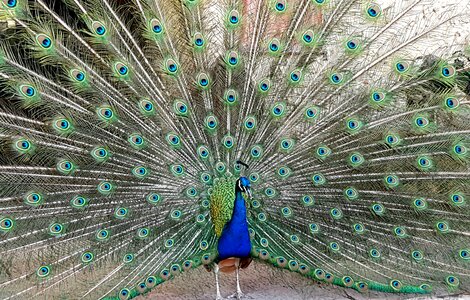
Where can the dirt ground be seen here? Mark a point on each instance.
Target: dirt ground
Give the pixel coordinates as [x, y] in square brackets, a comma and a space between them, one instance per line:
[260, 281]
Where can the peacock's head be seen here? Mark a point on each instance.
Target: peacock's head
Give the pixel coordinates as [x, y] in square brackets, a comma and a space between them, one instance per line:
[243, 185]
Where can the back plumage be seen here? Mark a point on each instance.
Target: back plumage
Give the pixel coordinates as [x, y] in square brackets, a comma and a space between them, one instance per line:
[117, 118]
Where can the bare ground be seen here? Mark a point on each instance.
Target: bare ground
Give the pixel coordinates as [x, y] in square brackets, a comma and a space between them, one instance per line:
[260, 281]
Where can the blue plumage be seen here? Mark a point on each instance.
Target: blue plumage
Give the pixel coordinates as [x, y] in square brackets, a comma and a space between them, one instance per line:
[235, 239]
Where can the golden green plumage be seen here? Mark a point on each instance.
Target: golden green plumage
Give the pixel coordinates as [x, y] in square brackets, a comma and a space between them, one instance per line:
[222, 200]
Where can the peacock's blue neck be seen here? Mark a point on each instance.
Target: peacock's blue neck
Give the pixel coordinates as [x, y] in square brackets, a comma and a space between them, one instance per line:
[235, 238]
[239, 210]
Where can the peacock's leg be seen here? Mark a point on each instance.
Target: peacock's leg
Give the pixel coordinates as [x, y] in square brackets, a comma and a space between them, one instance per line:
[216, 272]
[239, 294]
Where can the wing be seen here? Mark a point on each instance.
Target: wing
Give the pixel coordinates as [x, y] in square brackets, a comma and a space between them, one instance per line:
[222, 201]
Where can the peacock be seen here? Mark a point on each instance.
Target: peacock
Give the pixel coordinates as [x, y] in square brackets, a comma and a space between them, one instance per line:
[142, 139]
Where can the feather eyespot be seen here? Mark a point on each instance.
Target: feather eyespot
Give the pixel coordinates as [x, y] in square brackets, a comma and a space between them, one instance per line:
[421, 122]
[336, 213]
[307, 200]
[78, 202]
[278, 110]
[99, 28]
[43, 271]
[417, 255]
[10, 3]
[136, 141]
[102, 235]
[77, 75]
[334, 246]
[140, 172]
[6, 224]
[374, 253]
[270, 192]
[392, 181]
[280, 5]
[56, 229]
[105, 187]
[203, 152]
[121, 69]
[351, 193]
[358, 228]
[348, 281]
[352, 44]
[451, 103]
[452, 281]
[203, 80]
[274, 45]
[254, 177]
[256, 151]
[314, 228]
[128, 258]
[187, 265]
[318, 179]
[308, 37]
[442, 227]
[105, 113]
[295, 76]
[171, 66]
[230, 97]
[399, 231]
[373, 10]
[153, 198]
[457, 199]
[180, 108]
[44, 41]
[124, 294]
[191, 192]
[198, 40]
[234, 17]
[27, 90]
[264, 85]
[402, 67]
[147, 107]
[87, 257]
[286, 212]
[336, 78]
[378, 209]
[232, 58]
[228, 141]
[156, 26]
[220, 167]
[33, 199]
[395, 284]
[464, 254]
[448, 71]
[419, 204]
[177, 170]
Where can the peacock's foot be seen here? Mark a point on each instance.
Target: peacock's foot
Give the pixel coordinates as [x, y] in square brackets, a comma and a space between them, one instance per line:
[239, 295]
[219, 298]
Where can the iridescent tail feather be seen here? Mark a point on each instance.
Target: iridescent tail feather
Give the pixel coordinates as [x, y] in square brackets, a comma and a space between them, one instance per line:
[117, 119]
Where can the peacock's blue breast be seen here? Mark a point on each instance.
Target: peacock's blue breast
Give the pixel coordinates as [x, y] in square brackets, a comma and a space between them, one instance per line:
[234, 241]
[235, 238]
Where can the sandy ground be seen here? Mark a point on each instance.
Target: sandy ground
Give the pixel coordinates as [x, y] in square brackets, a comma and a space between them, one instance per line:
[260, 281]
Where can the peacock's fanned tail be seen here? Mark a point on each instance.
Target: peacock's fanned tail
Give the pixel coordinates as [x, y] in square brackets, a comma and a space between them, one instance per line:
[117, 117]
